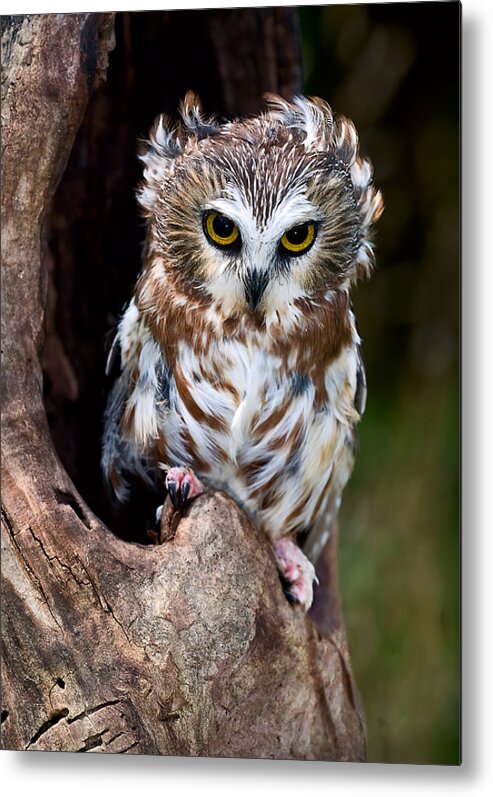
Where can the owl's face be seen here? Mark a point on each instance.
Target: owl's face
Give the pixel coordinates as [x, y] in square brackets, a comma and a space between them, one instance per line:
[260, 213]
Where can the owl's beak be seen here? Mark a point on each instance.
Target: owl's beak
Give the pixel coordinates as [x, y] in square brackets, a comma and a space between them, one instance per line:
[255, 283]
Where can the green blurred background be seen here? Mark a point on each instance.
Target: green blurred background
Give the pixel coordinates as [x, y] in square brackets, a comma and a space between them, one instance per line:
[394, 69]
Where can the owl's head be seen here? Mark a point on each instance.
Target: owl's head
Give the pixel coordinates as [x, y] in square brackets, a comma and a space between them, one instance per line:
[260, 212]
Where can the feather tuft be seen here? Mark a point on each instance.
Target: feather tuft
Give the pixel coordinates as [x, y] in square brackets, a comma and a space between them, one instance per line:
[310, 116]
[194, 122]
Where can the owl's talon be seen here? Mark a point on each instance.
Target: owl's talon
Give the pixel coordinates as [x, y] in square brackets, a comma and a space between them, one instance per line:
[290, 597]
[172, 492]
[182, 485]
[184, 492]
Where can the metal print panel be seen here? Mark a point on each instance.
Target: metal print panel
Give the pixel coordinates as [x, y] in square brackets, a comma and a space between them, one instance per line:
[230, 383]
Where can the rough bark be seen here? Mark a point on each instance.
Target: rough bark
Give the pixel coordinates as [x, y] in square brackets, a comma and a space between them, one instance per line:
[185, 648]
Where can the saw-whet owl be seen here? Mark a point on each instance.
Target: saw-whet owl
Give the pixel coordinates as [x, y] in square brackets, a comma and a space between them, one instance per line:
[240, 363]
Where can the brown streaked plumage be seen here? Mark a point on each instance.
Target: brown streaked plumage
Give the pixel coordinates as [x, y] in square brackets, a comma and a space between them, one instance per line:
[239, 351]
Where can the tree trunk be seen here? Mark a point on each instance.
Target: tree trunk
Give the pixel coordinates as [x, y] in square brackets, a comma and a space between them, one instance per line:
[110, 644]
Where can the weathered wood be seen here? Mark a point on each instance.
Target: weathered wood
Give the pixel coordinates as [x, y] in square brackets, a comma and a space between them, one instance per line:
[188, 647]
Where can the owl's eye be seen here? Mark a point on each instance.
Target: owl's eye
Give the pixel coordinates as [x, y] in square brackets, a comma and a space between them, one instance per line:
[220, 230]
[298, 240]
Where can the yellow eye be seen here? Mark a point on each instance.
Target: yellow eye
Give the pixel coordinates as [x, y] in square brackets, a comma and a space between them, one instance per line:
[298, 239]
[220, 230]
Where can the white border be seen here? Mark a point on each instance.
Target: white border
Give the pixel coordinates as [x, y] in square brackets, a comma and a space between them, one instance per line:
[73, 6]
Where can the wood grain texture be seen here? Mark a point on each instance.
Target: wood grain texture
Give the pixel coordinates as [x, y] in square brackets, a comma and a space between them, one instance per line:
[184, 648]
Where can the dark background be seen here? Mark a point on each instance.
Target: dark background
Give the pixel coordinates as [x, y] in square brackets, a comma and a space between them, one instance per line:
[394, 69]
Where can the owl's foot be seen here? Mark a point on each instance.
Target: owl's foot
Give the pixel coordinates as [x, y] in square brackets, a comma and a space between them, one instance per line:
[182, 485]
[297, 572]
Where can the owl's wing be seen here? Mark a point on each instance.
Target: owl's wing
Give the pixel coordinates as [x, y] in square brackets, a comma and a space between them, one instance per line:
[343, 465]
[122, 460]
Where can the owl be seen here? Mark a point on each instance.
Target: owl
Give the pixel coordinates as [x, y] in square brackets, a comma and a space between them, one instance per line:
[239, 356]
